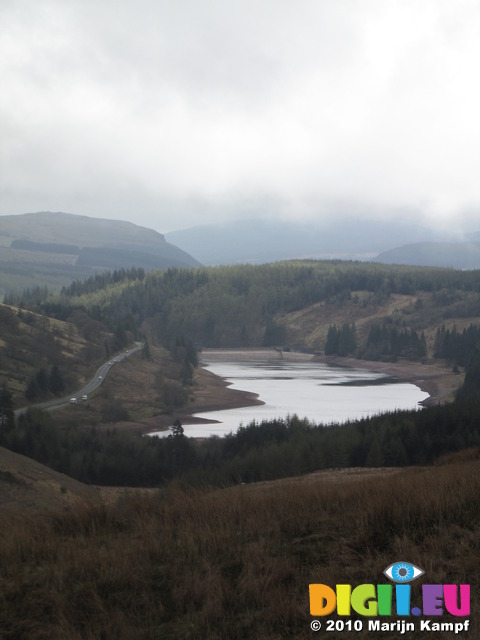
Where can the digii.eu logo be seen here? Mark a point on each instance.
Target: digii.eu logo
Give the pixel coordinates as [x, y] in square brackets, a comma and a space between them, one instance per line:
[386, 600]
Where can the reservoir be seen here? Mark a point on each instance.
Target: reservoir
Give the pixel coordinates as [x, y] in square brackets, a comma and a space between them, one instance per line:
[295, 384]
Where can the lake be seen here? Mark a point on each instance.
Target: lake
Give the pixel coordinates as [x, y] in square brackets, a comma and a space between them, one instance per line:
[320, 392]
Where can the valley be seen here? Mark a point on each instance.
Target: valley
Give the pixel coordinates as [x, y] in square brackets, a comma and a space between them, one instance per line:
[239, 320]
[136, 537]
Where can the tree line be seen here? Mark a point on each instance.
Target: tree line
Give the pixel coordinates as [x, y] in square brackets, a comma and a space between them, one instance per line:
[44, 382]
[383, 343]
[457, 347]
[259, 451]
[341, 341]
[238, 305]
[244, 305]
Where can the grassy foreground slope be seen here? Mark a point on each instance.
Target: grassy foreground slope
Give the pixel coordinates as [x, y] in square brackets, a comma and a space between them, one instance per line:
[27, 485]
[235, 563]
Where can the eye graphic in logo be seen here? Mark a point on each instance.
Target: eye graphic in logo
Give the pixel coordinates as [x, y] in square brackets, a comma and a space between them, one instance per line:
[403, 572]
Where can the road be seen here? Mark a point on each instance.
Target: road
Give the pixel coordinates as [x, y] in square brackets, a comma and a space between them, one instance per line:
[91, 386]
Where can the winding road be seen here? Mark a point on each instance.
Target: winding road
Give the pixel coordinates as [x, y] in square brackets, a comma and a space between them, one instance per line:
[91, 386]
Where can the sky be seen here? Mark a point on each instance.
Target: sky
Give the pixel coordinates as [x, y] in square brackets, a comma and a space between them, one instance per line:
[176, 114]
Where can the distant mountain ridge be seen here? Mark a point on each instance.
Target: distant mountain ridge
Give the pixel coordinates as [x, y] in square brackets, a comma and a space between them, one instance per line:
[83, 231]
[56, 248]
[260, 241]
[457, 255]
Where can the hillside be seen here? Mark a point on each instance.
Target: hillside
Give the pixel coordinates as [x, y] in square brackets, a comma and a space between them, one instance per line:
[289, 304]
[237, 563]
[458, 255]
[31, 343]
[54, 249]
[42, 358]
[28, 485]
[293, 304]
[422, 312]
[420, 323]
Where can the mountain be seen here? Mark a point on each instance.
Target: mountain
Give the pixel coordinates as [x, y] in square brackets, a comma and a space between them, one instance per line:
[458, 255]
[53, 249]
[260, 241]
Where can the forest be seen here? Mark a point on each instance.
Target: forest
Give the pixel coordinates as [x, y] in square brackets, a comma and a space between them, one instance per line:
[257, 451]
[184, 310]
[248, 305]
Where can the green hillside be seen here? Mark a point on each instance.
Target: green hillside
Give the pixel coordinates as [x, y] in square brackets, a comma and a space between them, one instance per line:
[359, 310]
[292, 305]
[32, 345]
[53, 249]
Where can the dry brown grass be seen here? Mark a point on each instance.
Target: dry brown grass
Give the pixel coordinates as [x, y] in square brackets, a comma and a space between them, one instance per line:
[27, 485]
[233, 563]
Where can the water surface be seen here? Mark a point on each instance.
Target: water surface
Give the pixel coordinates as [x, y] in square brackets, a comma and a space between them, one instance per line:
[320, 392]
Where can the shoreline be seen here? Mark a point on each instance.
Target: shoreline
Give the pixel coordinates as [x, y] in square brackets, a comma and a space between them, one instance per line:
[213, 393]
[436, 379]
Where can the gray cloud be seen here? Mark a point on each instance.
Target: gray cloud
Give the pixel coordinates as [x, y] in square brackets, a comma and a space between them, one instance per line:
[179, 113]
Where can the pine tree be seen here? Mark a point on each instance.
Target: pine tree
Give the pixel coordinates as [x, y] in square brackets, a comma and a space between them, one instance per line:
[56, 382]
[374, 456]
[7, 418]
[42, 381]
[331, 346]
[32, 391]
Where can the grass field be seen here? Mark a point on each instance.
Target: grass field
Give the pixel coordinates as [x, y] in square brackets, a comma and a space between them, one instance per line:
[234, 563]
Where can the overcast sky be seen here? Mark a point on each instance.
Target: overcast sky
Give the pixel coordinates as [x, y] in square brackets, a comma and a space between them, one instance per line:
[172, 113]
